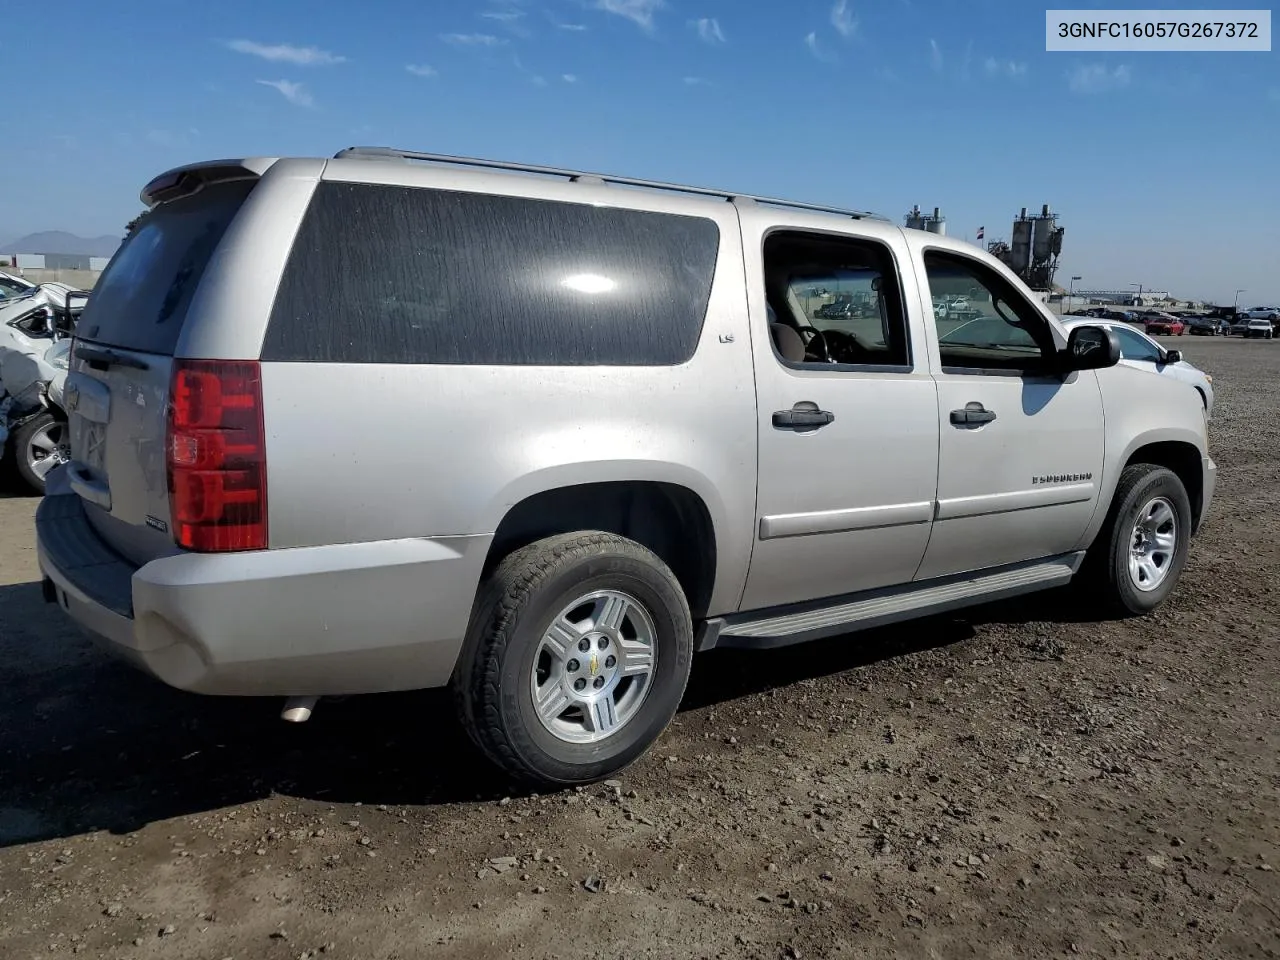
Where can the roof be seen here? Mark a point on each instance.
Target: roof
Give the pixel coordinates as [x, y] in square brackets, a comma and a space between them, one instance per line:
[581, 176]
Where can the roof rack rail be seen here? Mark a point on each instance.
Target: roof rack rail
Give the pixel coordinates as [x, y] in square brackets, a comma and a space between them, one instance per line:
[579, 176]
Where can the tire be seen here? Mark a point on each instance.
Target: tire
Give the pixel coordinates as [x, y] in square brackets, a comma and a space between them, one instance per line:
[43, 432]
[506, 660]
[1108, 576]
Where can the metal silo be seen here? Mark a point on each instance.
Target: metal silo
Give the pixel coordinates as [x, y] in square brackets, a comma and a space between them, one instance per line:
[1043, 235]
[1020, 247]
[931, 223]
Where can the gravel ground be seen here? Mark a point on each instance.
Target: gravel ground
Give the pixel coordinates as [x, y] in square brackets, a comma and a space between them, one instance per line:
[1014, 782]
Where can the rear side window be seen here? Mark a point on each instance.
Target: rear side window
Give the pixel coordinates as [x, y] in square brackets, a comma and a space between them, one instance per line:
[385, 274]
[141, 299]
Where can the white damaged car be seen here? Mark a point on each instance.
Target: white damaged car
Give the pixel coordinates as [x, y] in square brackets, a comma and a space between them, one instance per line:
[1144, 353]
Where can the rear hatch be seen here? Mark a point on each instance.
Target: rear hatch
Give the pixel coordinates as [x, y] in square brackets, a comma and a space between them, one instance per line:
[118, 386]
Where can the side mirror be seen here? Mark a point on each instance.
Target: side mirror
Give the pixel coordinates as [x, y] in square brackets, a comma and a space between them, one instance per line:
[1090, 348]
[1172, 356]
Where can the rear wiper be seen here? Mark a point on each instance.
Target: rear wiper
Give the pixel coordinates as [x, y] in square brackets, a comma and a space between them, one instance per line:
[101, 358]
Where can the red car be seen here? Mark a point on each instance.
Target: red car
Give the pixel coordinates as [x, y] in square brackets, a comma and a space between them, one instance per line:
[1167, 325]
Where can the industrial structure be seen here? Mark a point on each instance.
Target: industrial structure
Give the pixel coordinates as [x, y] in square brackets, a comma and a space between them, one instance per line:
[933, 223]
[1033, 252]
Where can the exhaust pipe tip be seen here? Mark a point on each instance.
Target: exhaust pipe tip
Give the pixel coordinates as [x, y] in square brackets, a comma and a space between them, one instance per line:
[298, 709]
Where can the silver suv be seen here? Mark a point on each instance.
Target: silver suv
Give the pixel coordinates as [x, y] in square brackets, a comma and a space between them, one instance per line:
[392, 420]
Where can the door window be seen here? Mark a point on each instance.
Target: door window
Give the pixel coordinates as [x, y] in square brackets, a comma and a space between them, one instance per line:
[834, 302]
[983, 323]
[1136, 347]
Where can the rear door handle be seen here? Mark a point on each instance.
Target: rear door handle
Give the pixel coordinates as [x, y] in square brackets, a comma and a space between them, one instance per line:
[973, 414]
[803, 416]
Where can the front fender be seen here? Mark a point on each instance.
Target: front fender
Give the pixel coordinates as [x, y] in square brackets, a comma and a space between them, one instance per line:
[1140, 409]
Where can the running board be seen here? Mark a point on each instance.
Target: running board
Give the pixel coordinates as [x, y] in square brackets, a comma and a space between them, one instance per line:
[783, 626]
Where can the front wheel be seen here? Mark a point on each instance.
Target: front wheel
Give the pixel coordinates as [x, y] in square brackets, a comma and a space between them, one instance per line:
[576, 658]
[1142, 547]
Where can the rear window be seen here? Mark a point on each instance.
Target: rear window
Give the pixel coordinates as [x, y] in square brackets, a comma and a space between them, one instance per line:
[385, 274]
[141, 299]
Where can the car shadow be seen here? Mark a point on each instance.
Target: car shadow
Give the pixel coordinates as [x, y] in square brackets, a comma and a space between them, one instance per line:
[89, 744]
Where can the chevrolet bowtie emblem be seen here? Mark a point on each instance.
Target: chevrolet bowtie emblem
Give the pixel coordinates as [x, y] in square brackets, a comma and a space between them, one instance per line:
[595, 664]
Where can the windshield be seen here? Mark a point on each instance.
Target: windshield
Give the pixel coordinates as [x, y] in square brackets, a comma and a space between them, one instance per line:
[11, 287]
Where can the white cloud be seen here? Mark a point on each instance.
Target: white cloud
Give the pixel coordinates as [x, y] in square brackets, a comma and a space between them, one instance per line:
[568, 78]
[574, 27]
[695, 81]
[295, 93]
[421, 69]
[639, 12]
[1004, 68]
[811, 41]
[510, 20]
[535, 78]
[472, 39]
[935, 56]
[1096, 78]
[709, 29]
[843, 20]
[287, 53]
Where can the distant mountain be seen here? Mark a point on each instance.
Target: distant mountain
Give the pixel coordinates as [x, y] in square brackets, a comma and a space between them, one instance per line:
[58, 241]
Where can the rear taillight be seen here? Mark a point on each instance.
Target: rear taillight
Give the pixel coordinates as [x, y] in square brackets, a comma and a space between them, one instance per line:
[216, 455]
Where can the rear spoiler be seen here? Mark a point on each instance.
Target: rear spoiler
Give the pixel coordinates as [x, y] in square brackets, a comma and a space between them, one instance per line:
[185, 180]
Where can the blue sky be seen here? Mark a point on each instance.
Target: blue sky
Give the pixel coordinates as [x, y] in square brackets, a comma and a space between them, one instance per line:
[1162, 166]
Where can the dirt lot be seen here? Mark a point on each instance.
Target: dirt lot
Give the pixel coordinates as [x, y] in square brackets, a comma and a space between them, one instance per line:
[1017, 782]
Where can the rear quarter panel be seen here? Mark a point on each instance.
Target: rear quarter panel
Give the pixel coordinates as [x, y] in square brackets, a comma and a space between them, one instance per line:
[361, 452]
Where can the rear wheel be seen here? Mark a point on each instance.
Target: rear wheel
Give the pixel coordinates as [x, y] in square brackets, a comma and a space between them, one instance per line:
[1138, 557]
[576, 658]
[38, 446]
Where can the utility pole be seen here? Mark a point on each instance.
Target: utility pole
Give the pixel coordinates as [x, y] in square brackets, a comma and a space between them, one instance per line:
[1139, 286]
[1236, 304]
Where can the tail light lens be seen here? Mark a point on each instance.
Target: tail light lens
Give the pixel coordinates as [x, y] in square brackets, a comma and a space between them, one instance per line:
[216, 456]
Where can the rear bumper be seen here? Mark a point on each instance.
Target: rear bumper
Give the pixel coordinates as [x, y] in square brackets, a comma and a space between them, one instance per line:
[340, 619]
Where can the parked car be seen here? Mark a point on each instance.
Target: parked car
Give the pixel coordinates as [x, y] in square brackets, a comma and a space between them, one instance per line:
[1203, 326]
[34, 350]
[1140, 351]
[542, 441]
[839, 310]
[1166, 325]
[1125, 316]
[11, 286]
[1262, 313]
[1258, 328]
[1239, 326]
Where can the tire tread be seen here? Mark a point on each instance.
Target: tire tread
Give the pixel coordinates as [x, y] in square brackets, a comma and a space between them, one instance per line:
[1099, 575]
[517, 577]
